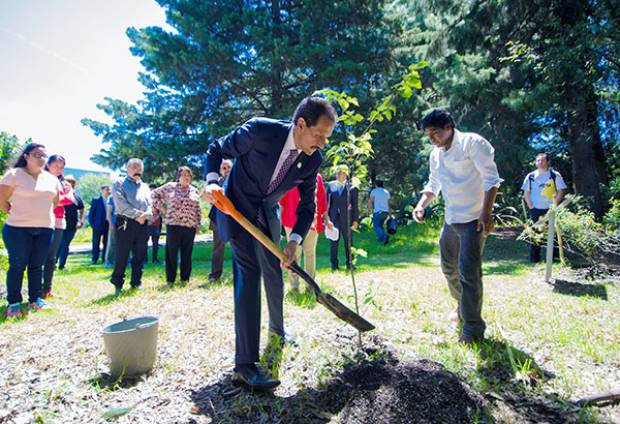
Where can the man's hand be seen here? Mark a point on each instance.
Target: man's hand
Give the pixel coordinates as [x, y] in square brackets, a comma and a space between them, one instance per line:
[355, 225]
[485, 223]
[79, 225]
[142, 218]
[418, 214]
[209, 190]
[289, 253]
[329, 224]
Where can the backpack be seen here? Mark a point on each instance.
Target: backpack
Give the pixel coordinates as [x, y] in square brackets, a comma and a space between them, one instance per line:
[530, 178]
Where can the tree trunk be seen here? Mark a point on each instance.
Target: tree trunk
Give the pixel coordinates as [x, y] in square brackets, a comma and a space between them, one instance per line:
[582, 148]
[581, 110]
[277, 65]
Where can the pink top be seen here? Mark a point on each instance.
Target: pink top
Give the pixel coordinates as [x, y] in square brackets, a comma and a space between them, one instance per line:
[65, 197]
[32, 199]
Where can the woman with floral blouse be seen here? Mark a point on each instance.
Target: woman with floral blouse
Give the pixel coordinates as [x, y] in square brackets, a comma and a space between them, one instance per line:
[179, 203]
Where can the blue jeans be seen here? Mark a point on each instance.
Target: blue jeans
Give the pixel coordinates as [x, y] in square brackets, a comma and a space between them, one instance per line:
[461, 248]
[63, 252]
[27, 248]
[378, 221]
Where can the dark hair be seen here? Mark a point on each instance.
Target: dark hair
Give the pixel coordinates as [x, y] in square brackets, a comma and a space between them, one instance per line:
[312, 108]
[52, 159]
[542, 154]
[104, 186]
[21, 160]
[437, 118]
[379, 183]
[184, 168]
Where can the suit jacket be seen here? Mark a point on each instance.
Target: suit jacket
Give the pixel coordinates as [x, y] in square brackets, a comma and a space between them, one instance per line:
[97, 213]
[256, 147]
[337, 201]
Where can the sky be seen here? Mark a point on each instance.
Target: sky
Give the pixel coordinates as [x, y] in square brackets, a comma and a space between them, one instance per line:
[59, 59]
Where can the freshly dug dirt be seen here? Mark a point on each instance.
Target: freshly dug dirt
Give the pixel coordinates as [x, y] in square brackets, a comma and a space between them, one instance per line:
[378, 390]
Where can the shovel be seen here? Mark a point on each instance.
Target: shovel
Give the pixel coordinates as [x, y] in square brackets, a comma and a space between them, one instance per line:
[224, 204]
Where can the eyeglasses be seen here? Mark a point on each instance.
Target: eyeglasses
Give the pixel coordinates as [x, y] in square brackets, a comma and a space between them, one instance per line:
[39, 155]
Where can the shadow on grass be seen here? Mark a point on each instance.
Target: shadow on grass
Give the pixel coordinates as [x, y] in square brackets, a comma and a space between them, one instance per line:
[503, 365]
[225, 280]
[108, 383]
[111, 298]
[580, 289]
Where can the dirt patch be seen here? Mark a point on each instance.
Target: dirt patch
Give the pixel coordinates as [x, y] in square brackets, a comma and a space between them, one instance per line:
[374, 388]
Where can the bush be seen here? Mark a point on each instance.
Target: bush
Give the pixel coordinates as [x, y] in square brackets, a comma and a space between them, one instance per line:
[581, 233]
[612, 218]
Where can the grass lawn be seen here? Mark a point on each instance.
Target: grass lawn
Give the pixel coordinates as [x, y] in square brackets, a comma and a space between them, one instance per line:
[547, 345]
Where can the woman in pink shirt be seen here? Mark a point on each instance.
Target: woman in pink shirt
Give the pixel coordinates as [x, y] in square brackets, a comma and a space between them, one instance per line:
[56, 166]
[28, 194]
[288, 218]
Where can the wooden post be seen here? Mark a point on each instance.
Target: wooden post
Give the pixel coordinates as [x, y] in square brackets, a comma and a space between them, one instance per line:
[550, 240]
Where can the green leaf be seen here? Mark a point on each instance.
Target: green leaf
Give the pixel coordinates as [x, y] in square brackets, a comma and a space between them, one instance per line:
[116, 412]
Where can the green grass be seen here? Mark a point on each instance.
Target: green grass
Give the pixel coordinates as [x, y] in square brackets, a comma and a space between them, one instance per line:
[543, 341]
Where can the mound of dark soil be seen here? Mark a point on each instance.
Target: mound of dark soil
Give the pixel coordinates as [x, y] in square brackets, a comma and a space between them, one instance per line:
[378, 390]
[390, 391]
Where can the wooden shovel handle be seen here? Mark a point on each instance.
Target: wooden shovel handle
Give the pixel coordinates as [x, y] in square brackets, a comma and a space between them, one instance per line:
[224, 204]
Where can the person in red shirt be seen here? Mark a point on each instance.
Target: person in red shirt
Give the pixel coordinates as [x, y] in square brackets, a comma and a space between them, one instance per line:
[288, 218]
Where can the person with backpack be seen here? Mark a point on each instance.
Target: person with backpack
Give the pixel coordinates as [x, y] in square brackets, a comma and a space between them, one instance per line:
[542, 188]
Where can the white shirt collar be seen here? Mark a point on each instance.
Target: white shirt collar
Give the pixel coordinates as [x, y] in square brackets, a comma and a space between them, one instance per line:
[290, 142]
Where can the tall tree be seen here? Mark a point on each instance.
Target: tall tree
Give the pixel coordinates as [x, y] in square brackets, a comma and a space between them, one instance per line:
[227, 60]
[526, 74]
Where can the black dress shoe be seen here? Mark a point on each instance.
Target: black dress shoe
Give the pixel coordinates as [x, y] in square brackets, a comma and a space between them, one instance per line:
[250, 377]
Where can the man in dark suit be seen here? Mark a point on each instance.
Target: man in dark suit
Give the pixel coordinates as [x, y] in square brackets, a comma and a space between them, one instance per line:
[272, 157]
[343, 214]
[99, 223]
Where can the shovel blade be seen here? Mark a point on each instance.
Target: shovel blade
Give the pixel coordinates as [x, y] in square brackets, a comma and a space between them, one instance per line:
[344, 313]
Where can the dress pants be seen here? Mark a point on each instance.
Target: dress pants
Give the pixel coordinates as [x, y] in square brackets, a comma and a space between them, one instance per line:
[461, 247]
[250, 260]
[99, 234]
[344, 230]
[179, 239]
[131, 236]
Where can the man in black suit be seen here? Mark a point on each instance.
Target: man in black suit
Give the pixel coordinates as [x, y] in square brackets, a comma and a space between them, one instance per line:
[271, 157]
[98, 223]
[343, 210]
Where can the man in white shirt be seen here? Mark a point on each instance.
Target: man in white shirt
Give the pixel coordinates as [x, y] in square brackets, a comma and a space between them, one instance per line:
[542, 188]
[379, 205]
[463, 169]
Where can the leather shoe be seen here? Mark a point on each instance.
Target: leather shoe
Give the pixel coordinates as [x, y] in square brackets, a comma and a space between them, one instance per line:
[250, 377]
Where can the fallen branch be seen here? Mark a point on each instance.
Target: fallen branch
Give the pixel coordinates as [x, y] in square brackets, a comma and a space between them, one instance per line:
[600, 398]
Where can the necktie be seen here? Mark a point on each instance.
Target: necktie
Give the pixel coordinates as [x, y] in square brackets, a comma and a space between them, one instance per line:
[286, 166]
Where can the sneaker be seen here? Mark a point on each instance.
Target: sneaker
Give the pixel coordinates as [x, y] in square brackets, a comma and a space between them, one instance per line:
[118, 291]
[48, 294]
[39, 304]
[14, 310]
